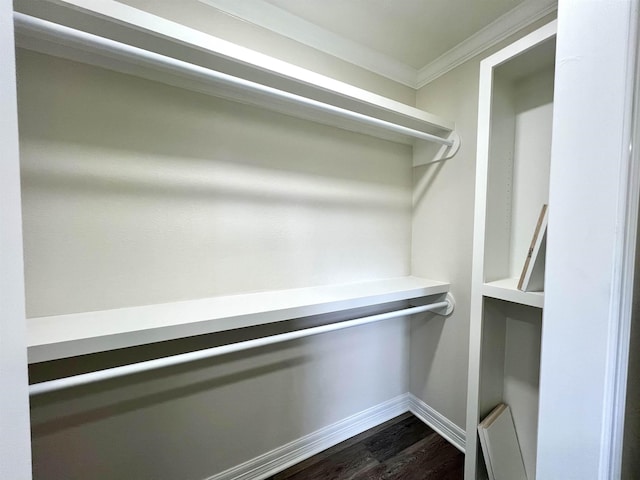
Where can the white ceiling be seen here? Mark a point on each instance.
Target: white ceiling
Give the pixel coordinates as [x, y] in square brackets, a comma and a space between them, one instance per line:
[414, 32]
[400, 39]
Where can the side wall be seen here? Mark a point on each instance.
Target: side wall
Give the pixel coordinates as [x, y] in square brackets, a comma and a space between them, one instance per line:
[631, 442]
[136, 193]
[588, 292]
[14, 414]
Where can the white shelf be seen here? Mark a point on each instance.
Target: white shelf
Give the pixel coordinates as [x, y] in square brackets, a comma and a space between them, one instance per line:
[111, 35]
[75, 334]
[507, 289]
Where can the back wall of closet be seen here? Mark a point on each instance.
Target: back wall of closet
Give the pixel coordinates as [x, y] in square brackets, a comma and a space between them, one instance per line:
[137, 193]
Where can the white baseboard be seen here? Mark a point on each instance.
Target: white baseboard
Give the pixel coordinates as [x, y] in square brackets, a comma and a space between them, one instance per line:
[294, 452]
[438, 422]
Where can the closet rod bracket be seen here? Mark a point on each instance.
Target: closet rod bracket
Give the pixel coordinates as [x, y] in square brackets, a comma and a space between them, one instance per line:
[451, 304]
[425, 153]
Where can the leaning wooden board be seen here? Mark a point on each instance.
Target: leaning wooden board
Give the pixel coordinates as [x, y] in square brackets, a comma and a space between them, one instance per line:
[500, 446]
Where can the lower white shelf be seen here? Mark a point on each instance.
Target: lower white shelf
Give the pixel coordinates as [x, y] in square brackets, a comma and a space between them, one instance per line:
[507, 289]
[62, 336]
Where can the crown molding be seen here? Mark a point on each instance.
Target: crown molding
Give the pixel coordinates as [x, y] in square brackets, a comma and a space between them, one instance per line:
[511, 22]
[277, 20]
[281, 22]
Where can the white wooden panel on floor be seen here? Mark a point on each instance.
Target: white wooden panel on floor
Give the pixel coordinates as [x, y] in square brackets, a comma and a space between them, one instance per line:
[500, 446]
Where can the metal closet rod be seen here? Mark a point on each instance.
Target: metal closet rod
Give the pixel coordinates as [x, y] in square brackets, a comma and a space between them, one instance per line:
[81, 39]
[109, 373]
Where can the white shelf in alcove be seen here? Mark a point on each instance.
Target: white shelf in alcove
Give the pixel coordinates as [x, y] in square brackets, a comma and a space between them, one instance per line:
[111, 30]
[507, 289]
[61, 336]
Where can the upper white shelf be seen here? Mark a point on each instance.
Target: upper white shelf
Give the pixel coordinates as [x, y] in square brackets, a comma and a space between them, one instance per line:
[75, 334]
[507, 289]
[121, 38]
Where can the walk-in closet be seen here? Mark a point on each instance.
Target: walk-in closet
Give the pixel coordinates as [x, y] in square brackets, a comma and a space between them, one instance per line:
[236, 234]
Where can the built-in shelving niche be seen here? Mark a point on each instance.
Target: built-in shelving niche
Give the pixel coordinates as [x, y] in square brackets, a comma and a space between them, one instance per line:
[514, 150]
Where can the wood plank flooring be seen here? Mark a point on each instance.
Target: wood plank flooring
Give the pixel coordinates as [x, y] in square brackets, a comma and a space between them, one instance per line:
[403, 448]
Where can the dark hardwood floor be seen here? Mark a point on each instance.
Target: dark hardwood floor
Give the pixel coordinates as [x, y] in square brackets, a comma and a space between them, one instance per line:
[401, 449]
